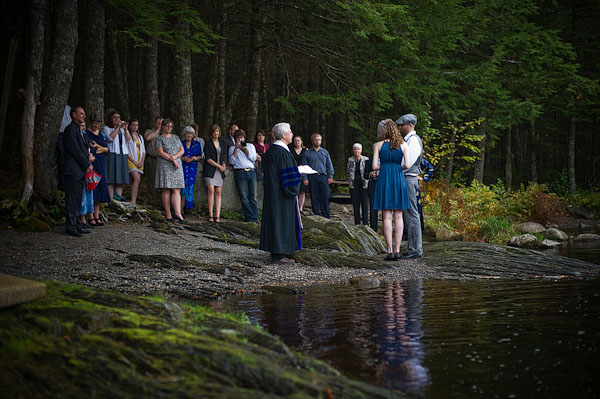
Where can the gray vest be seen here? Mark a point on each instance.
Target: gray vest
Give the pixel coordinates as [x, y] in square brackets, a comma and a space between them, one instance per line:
[415, 169]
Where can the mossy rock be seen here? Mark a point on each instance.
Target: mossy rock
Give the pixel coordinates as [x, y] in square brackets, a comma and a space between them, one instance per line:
[32, 224]
[327, 234]
[79, 342]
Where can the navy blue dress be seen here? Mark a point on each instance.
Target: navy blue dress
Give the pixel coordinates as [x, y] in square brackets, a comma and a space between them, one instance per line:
[101, 190]
[391, 191]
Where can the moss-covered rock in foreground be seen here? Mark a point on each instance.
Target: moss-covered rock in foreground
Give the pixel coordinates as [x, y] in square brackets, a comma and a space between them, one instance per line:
[82, 343]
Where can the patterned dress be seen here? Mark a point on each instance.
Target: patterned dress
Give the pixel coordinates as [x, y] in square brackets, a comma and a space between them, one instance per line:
[166, 174]
[190, 170]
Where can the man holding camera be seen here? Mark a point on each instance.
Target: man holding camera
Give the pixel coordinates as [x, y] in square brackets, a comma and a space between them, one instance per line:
[242, 158]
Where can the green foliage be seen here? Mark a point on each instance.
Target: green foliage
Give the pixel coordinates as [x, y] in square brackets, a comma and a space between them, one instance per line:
[163, 19]
[487, 213]
[560, 186]
[590, 200]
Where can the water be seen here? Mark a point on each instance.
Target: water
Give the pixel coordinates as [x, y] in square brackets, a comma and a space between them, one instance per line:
[447, 339]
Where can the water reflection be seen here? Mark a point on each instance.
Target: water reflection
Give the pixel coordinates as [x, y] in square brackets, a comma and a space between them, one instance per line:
[447, 339]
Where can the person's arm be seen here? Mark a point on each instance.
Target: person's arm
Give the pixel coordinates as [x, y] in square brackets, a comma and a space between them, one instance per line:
[232, 154]
[151, 135]
[375, 162]
[329, 166]
[126, 129]
[250, 152]
[405, 158]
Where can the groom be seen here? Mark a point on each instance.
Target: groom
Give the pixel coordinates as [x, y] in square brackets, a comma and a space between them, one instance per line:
[406, 124]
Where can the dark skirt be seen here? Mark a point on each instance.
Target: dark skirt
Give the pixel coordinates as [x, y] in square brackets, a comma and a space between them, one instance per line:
[117, 170]
[101, 190]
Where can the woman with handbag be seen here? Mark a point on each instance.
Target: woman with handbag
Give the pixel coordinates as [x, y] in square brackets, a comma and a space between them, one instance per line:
[99, 149]
[214, 171]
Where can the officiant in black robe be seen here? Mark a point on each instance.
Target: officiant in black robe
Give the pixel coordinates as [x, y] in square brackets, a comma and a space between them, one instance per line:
[280, 227]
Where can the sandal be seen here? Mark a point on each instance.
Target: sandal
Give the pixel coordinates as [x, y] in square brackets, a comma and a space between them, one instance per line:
[217, 220]
[211, 219]
[99, 222]
[92, 222]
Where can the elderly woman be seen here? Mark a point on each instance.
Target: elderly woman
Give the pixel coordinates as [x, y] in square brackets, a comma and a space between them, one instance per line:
[357, 170]
[214, 171]
[169, 172]
[192, 153]
[135, 158]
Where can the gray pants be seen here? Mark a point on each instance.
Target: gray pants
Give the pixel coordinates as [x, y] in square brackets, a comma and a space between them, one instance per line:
[412, 220]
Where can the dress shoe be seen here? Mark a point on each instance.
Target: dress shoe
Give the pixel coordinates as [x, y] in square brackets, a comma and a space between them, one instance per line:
[410, 256]
[83, 230]
[73, 232]
[390, 256]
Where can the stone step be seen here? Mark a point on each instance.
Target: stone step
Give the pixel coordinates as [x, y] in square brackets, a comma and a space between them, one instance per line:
[15, 290]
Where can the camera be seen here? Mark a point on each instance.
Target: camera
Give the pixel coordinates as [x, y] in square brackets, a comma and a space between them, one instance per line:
[243, 143]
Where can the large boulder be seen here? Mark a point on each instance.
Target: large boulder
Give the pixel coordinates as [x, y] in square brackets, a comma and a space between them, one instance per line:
[587, 237]
[556, 234]
[524, 241]
[529, 228]
[444, 234]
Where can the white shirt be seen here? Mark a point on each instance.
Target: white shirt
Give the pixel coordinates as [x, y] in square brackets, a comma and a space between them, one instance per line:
[243, 161]
[114, 145]
[414, 148]
[281, 144]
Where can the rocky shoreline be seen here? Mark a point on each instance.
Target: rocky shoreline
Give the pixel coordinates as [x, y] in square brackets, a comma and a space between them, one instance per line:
[199, 260]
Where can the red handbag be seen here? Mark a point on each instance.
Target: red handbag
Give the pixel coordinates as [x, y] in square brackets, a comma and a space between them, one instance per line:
[92, 178]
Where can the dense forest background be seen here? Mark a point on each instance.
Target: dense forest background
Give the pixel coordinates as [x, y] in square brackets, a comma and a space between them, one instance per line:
[503, 89]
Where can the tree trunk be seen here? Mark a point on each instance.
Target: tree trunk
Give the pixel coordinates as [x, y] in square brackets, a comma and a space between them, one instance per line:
[572, 185]
[221, 54]
[480, 165]
[256, 56]
[94, 58]
[450, 164]
[51, 109]
[184, 96]
[10, 67]
[533, 146]
[509, 157]
[211, 96]
[266, 121]
[122, 101]
[151, 103]
[32, 94]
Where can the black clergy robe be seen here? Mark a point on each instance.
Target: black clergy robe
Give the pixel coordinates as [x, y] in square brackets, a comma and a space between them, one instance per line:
[279, 230]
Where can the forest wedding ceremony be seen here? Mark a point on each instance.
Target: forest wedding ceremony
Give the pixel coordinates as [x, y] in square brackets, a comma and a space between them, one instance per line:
[137, 159]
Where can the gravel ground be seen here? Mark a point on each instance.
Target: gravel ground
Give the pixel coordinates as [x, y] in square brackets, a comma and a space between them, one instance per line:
[215, 269]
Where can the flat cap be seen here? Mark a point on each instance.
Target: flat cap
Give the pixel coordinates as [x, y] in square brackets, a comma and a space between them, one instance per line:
[408, 119]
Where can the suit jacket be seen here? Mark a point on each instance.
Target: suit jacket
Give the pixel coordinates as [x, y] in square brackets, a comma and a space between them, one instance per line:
[210, 152]
[76, 151]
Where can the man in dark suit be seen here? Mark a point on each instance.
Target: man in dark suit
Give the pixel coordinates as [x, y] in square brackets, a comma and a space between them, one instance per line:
[77, 162]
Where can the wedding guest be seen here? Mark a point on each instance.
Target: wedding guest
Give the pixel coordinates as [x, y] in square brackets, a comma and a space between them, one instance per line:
[298, 152]
[169, 171]
[214, 171]
[117, 172]
[192, 153]
[99, 149]
[135, 158]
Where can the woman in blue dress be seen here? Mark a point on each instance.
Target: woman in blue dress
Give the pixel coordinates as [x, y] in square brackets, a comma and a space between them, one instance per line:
[98, 148]
[391, 194]
[192, 153]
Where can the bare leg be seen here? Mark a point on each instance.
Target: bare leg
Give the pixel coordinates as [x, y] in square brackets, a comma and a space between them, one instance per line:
[135, 184]
[111, 190]
[301, 198]
[96, 211]
[119, 189]
[166, 202]
[399, 229]
[176, 202]
[211, 199]
[218, 202]
[387, 230]
[82, 219]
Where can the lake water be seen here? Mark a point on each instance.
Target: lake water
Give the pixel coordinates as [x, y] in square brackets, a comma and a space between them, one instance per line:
[447, 339]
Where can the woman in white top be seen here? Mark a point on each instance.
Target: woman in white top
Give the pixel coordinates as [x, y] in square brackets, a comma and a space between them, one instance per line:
[135, 158]
[117, 172]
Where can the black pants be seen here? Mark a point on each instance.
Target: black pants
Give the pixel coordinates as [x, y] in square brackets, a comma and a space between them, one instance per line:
[73, 195]
[373, 212]
[360, 202]
[319, 194]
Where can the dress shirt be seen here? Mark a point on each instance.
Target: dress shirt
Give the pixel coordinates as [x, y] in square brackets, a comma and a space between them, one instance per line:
[414, 148]
[319, 161]
[243, 161]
